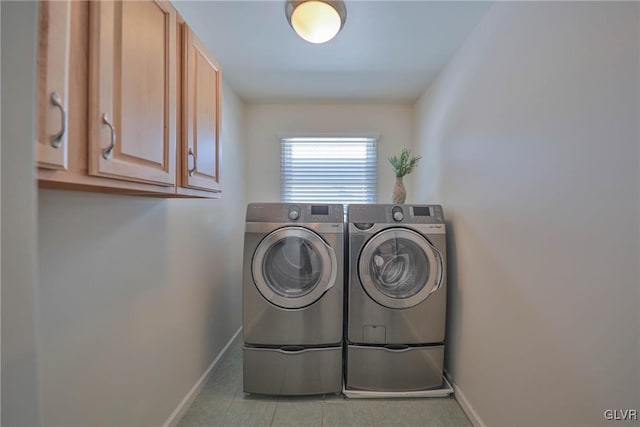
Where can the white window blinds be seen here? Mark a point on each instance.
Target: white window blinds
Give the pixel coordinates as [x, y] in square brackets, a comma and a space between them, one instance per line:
[328, 170]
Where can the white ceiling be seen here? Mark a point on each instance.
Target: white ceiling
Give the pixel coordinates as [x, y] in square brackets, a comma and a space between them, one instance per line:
[387, 51]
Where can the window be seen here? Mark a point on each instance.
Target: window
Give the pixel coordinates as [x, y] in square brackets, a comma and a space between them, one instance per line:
[328, 170]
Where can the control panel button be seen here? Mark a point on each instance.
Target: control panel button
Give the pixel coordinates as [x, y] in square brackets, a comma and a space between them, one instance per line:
[294, 213]
[397, 213]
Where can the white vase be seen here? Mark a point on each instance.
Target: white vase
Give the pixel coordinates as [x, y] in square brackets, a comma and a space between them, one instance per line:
[399, 192]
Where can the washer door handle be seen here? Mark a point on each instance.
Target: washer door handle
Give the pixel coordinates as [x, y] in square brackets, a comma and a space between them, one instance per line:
[440, 279]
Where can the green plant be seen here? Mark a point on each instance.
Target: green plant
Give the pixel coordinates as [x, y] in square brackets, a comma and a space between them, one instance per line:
[404, 164]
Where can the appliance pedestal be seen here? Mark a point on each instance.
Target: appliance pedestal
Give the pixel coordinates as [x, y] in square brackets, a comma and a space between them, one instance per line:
[394, 369]
[278, 371]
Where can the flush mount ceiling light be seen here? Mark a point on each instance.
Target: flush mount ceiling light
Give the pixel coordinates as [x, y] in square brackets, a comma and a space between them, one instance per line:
[316, 21]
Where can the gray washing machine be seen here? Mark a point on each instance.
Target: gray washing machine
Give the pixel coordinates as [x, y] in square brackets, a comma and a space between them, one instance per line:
[396, 298]
[292, 307]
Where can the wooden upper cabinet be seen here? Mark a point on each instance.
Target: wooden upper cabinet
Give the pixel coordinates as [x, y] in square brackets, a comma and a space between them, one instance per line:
[132, 92]
[201, 116]
[53, 84]
[128, 100]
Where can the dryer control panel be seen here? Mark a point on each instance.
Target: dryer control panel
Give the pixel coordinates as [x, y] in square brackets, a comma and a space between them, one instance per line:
[295, 213]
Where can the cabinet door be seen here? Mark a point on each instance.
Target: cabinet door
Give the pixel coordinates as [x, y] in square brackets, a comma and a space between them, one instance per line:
[132, 106]
[53, 79]
[201, 107]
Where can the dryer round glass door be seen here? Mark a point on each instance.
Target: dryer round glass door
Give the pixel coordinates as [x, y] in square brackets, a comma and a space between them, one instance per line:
[399, 268]
[293, 267]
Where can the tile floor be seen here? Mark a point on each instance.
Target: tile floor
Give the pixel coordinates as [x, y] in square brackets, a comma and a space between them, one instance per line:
[223, 403]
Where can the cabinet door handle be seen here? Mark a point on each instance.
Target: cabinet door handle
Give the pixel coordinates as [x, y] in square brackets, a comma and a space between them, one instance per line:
[56, 139]
[195, 162]
[107, 152]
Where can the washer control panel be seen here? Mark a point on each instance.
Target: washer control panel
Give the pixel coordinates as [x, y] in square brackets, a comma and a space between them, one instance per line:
[395, 214]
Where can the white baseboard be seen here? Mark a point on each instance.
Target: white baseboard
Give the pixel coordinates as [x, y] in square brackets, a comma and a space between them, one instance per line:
[464, 403]
[184, 405]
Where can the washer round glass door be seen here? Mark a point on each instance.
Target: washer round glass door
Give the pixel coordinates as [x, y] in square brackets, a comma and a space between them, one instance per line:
[293, 267]
[399, 268]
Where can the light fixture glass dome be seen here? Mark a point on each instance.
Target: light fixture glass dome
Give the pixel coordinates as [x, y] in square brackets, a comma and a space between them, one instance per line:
[316, 21]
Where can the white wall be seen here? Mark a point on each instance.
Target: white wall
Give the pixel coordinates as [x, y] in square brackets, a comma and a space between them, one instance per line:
[19, 374]
[137, 296]
[267, 122]
[531, 141]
